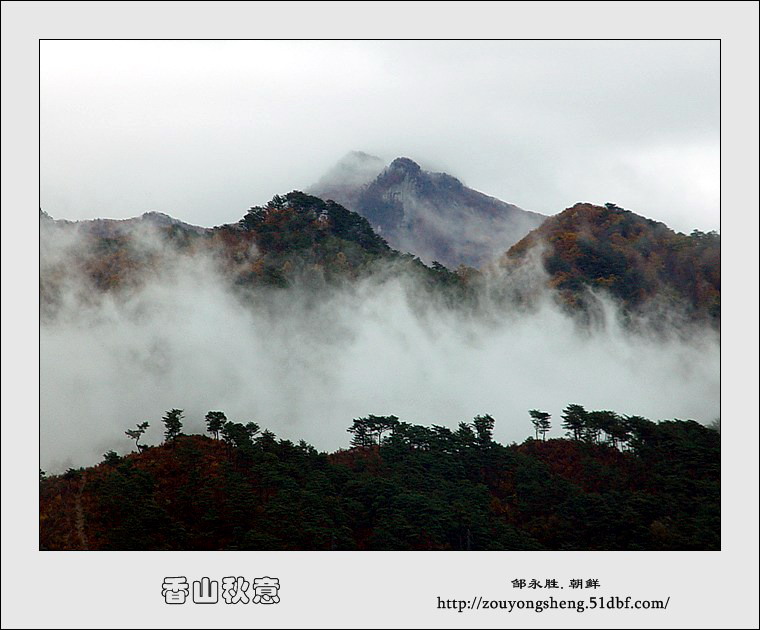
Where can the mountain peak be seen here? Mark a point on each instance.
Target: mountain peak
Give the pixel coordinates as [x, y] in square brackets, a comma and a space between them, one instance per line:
[405, 164]
[432, 215]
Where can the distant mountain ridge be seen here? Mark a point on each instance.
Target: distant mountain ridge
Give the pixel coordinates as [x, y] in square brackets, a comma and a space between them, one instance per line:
[432, 215]
[301, 238]
[112, 227]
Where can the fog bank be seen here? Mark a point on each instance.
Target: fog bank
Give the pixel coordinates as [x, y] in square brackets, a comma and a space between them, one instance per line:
[304, 368]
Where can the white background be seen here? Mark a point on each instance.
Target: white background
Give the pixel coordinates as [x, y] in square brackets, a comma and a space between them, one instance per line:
[121, 589]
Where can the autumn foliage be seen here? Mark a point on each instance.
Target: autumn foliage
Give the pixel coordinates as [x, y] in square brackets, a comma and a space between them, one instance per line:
[635, 259]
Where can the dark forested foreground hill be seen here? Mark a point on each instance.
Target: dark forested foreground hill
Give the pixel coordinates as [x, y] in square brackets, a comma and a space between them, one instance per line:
[616, 483]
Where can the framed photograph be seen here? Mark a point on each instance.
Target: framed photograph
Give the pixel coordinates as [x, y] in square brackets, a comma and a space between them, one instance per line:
[318, 308]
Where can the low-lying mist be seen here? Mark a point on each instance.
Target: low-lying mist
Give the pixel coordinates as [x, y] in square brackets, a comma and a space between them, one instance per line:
[305, 367]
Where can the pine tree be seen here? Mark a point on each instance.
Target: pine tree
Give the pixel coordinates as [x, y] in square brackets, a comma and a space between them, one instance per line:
[361, 433]
[541, 422]
[173, 423]
[136, 434]
[574, 418]
[214, 422]
[484, 429]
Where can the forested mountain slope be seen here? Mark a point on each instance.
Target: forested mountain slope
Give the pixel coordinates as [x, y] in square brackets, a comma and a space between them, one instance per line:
[639, 261]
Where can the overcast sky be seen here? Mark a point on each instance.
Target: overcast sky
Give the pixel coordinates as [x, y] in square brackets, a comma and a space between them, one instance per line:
[203, 130]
